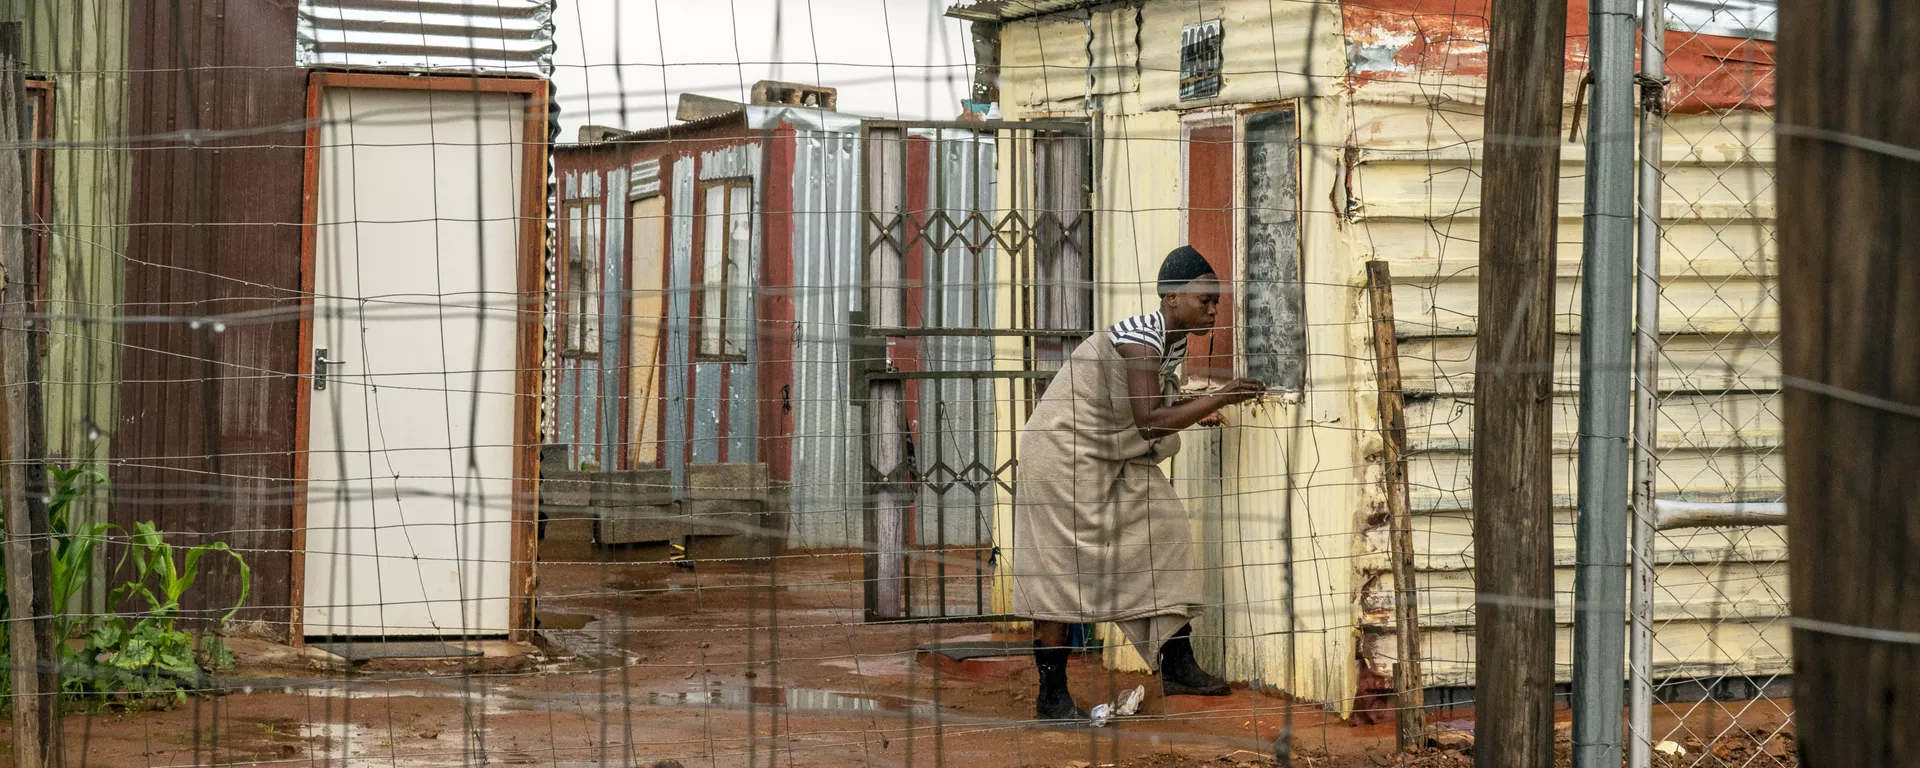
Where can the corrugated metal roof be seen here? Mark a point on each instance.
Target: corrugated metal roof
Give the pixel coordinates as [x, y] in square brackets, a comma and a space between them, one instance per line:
[736, 118]
[456, 35]
[1008, 10]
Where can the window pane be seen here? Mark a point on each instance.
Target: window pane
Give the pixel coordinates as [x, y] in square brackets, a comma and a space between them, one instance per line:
[590, 261]
[573, 233]
[1274, 299]
[570, 330]
[574, 312]
[713, 271]
[740, 272]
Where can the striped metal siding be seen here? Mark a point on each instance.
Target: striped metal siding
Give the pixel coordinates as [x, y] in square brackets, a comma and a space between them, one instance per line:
[679, 325]
[610, 367]
[826, 283]
[494, 36]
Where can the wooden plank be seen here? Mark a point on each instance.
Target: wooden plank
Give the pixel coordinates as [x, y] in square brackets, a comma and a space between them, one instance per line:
[303, 399]
[34, 648]
[888, 473]
[530, 335]
[1408, 718]
[1851, 339]
[1513, 425]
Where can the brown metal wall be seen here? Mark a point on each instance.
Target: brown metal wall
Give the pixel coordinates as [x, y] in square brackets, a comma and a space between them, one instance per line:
[204, 445]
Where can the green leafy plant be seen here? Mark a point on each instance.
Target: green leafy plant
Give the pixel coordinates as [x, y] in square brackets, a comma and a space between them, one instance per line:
[126, 656]
[73, 545]
[73, 550]
[152, 656]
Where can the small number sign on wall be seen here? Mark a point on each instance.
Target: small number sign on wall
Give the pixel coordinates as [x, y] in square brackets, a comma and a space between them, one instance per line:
[1201, 57]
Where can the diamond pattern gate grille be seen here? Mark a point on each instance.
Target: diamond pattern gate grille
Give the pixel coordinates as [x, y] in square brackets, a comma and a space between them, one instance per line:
[977, 260]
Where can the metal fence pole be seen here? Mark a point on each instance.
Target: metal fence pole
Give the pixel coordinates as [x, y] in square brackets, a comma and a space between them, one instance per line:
[1646, 368]
[1605, 394]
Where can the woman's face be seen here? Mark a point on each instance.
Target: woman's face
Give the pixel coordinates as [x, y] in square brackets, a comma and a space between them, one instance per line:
[1192, 307]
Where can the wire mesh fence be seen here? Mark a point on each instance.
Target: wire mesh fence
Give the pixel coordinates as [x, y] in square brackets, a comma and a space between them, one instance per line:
[544, 429]
[1719, 603]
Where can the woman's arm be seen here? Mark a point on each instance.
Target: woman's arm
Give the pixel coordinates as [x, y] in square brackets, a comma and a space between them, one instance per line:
[1143, 395]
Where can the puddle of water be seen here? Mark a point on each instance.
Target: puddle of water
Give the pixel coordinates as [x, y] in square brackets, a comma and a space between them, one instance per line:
[793, 699]
[490, 698]
[877, 665]
[341, 740]
[546, 620]
[352, 746]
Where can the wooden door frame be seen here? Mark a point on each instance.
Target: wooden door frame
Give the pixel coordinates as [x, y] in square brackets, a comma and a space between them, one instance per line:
[532, 307]
[40, 174]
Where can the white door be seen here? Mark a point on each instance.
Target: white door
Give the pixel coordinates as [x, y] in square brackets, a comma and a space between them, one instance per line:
[410, 462]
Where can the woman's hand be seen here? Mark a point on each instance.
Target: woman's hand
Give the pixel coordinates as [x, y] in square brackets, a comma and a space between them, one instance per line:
[1240, 391]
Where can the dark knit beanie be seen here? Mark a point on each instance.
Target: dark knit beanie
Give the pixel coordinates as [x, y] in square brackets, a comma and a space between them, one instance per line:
[1184, 265]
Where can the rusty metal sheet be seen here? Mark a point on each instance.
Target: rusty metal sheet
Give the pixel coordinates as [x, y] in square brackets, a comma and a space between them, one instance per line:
[205, 443]
[1008, 10]
[1719, 52]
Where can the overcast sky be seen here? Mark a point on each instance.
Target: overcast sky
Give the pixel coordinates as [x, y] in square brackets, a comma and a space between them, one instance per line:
[889, 58]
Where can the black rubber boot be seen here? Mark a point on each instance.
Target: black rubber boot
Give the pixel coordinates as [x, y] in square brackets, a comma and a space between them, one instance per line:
[1055, 702]
[1180, 675]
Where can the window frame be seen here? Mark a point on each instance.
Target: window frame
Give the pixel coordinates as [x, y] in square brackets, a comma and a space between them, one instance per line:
[723, 337]
[1243, 137]
[583, 257]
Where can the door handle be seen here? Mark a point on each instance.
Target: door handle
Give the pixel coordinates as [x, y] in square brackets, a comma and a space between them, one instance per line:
[320, 363]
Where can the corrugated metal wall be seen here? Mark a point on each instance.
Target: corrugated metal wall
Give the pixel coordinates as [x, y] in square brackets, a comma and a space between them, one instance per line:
[957, 428]
[719, 386]
[501, 35]
[827, 502]
[82, 49]
[679, 322]
[1417, 198]
[586, 422]
[204, 445]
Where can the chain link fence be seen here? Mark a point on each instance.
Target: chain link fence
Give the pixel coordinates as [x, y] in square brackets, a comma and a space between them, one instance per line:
[1719, 562]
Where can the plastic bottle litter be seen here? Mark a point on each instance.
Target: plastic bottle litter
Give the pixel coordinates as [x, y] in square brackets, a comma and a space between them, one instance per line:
[1127, 705]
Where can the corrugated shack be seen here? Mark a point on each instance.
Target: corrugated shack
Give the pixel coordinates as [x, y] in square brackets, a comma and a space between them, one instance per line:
[1296, 142]
[223, 344]
[709, 270]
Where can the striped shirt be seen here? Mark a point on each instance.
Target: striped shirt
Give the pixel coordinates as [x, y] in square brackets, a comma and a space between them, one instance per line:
[1150, 331]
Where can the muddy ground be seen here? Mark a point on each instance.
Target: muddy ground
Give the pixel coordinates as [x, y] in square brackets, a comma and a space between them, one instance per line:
[644, 664]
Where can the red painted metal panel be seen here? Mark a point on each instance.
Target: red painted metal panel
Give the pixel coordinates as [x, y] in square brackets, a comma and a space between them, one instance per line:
[1210, 185]
[776, 309]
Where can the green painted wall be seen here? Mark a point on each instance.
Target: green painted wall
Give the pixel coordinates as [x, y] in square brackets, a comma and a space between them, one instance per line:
[81, 47]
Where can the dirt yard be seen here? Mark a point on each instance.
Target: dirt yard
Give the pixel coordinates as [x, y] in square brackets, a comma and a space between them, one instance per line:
[647, 664]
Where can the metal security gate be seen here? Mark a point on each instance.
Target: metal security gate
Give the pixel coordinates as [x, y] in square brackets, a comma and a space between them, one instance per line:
[977, 258]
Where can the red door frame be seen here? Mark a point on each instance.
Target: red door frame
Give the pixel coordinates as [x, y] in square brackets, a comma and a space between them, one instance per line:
[1210, 185]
